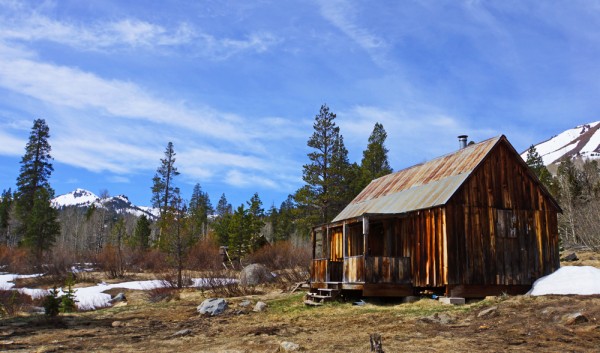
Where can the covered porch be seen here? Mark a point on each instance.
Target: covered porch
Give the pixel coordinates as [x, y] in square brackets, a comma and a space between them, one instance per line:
[369, 254]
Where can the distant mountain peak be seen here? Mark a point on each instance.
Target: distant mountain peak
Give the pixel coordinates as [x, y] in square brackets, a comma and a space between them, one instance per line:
[580, 141]
[119, 204]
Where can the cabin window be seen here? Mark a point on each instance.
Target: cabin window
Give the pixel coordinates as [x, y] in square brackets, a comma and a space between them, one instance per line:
[376, 240]
[355, 240]
[507, 224]
[319, 245]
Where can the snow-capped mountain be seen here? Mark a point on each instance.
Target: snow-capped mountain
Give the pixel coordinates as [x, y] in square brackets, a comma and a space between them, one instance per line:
[582, 140]
[119, 204]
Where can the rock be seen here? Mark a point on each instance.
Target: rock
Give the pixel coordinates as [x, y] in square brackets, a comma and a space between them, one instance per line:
[489, 312]
[244, 304]
[118, 324]
[574, 319]
[571, 257]
[452, 300]
[286, 346]
[118, 298]
[255, 274]
[440, 318]
[260, 306]
[212, 306]
[181, 333]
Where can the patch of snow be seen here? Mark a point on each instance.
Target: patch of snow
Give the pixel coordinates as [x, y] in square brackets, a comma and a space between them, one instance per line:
[6, 279]
[581, 280]
[90, 298]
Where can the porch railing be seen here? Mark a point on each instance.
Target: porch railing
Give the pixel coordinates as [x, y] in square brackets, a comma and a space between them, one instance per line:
[324, 270]
[354, 268]
[383, 269]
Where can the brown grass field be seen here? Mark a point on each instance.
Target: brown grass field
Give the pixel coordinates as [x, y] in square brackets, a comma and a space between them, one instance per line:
[520, 323]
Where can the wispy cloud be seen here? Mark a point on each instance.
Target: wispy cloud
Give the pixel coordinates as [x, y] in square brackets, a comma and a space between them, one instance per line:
[343, 15]
[23, 24]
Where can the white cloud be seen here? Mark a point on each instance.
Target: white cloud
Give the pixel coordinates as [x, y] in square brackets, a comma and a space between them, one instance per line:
[240, 179]
[26, 25]
[344, 16]
[11, 145]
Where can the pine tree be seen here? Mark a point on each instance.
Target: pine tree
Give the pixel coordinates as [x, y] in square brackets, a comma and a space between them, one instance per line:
[284, 226]
[176, 240]
[326, 176]
[6, 203]
[163, 181]
[38, 225]
[221, 223]
[200, 208]
[374, 163]
[536, 164]
[256, 223]
[223, 207]
[142, 232]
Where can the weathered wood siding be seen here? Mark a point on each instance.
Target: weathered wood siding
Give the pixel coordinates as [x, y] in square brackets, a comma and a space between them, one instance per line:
[426, 232]
[354, 269]
[323, 270]
[382, 269]
[501, 227]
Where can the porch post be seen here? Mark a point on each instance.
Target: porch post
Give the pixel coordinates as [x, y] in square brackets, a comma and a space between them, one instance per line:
[365, 236]
[344, 240]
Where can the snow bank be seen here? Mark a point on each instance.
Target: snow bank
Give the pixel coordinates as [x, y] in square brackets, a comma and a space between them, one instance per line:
[6, 280]
[581, 280]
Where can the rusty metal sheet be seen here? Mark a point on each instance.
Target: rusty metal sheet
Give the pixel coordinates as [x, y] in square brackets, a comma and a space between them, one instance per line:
[421, 186]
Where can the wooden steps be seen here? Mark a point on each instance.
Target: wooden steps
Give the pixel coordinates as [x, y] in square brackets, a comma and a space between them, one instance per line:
[318, 296]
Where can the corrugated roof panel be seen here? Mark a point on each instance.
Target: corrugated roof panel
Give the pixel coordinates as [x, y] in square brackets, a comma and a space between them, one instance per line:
[421, 186]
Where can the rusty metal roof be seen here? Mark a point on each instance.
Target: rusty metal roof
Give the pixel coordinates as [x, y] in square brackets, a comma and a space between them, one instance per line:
[421, 186]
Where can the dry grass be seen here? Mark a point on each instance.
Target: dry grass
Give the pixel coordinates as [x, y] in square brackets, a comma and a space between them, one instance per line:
[521, 323]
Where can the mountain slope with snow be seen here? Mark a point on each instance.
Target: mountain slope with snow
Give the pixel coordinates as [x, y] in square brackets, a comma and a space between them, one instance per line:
[582, 140]
[120, 204]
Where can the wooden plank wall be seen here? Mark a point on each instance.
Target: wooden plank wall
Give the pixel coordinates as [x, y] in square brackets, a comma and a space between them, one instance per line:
[426, 229]
[502, 229]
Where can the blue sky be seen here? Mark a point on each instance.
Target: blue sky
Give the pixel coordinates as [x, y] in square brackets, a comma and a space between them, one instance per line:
[235, 85]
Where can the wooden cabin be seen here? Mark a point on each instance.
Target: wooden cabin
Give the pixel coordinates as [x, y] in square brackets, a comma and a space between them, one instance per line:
[472, 223]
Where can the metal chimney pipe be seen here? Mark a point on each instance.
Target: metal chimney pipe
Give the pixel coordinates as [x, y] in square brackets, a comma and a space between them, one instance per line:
[462, 141]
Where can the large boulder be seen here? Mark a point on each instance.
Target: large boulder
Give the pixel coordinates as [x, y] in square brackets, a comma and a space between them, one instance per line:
[255, 274]
[212, 306]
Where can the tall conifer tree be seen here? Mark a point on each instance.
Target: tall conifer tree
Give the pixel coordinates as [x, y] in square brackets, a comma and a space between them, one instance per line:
[374, 163]
[38, 225]
[163, 185]
[326, 176]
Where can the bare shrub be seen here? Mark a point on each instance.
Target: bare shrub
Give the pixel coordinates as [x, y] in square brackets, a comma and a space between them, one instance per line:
[58, 264]
[204, 255]
[12, 302]
[220, 284]
[289, 261]
[146, 260]
[110, 262]
[16, 260]
[170, 280]
[588, 226]
[162, 293]
[281, 255]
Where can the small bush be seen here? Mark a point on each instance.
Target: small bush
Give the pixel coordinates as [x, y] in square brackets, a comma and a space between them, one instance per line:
[109, 261]
[169, 279]
[16, 260]
[281, 255]
[204, 255]
[146, 260]
[221, 285]
[52, 303]
[67, 301]
[12, 302]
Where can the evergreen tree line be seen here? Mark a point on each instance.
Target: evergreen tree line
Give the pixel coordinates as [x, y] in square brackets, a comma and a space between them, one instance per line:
[331, 181]
[576, 187]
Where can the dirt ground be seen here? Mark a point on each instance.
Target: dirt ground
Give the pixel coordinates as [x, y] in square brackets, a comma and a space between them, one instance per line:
[512, 323]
